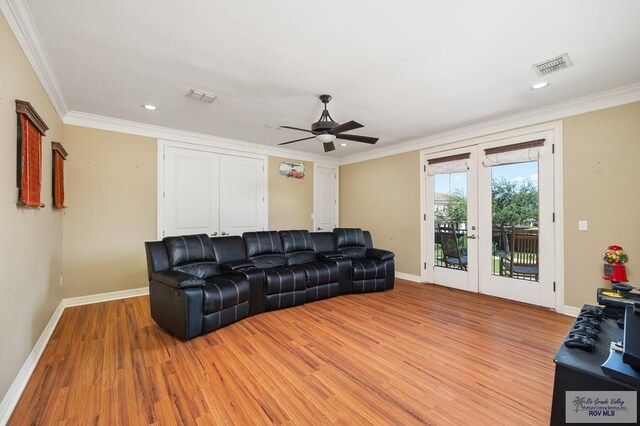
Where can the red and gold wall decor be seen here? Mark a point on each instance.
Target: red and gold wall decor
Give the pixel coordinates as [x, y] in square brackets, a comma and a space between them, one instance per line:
[31, 128]
[59, 154]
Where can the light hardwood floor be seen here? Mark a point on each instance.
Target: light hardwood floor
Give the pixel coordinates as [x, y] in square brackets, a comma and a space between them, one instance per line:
[416, 354]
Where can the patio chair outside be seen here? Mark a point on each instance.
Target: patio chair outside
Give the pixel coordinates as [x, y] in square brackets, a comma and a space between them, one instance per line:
[519, 259]
[454, 256]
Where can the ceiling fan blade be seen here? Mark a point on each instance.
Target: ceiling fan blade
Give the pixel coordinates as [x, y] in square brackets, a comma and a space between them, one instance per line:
[295, 128]
[356, 138]
[297, 140]
[345, 127]
[329, 146]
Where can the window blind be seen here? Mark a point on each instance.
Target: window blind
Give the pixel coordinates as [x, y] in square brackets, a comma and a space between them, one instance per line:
[515, 153]
[449, 164]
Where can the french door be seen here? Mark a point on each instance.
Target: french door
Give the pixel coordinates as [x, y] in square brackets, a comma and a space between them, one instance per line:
[451, 226]
[489, 219]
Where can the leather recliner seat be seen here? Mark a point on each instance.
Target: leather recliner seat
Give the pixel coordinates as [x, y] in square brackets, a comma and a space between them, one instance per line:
[230, 254]
[322, 276]
[189, 294]
[371, 269]
[284, 286]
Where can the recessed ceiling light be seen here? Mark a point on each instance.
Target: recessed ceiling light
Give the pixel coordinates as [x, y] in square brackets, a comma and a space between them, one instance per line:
[540, 85]
[149, 107]
[343, 144]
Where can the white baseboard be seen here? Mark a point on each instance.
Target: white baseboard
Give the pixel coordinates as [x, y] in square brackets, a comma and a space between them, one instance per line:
[408, 277]
[20, 382]
[105, 297]
[572, 311]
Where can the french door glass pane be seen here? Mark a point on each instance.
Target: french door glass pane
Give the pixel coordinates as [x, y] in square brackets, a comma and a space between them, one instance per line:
[450, 220]
[514, 218]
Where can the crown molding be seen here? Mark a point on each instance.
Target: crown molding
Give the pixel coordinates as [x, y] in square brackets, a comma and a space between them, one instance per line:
[597, 101]
[76, 118]
[20, 20]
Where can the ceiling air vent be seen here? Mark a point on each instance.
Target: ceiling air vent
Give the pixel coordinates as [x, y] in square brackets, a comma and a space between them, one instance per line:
[552, 65]
[201, 96]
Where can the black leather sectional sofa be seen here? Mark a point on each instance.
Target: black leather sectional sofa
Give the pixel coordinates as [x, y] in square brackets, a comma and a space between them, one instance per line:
[198, 284]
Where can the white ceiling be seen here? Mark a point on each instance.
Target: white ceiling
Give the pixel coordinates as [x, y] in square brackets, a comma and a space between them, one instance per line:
[404, 68]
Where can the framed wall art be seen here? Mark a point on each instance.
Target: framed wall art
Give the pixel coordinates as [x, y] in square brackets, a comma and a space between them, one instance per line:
[31, 128]
[291, 170]
[58, 156]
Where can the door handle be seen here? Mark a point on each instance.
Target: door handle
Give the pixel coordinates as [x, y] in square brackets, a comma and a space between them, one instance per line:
[471, 237]
[215, 234]
[224, 233]
[319, 229]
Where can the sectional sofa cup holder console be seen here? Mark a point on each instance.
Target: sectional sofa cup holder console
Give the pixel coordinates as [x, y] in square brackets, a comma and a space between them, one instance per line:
[199, 284]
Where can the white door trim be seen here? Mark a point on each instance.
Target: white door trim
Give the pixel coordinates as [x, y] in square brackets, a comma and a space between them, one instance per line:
[336, 211]
[558, 185]
[163, 143]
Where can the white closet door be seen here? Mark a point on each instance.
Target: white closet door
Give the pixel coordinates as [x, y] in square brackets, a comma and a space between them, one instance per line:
[242, 205]
[325, 198]
[190, 192]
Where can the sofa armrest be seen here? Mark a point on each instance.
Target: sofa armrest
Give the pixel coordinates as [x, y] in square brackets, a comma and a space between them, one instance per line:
[177, 279]
[328, 255]
[256, 279]
[380, 254]
[237, 265]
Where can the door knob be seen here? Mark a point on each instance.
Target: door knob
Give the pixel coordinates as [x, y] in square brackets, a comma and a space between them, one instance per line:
[471, 237]
[224, 233]
[215, 234]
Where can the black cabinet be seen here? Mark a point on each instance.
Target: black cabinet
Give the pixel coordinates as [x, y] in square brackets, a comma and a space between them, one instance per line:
[579, 370]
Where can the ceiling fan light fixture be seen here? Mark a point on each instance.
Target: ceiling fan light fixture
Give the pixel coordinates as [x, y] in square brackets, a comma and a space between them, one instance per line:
[326, 138]
[326, 130]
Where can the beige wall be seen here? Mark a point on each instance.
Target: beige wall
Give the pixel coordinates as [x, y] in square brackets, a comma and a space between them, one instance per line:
[31, 249]
[111, 197]
[601, 177]
[290, 200]
[383, 196]
[111, 194]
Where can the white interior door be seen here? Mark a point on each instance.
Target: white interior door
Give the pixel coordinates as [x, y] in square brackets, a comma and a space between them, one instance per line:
[242, 203]
[190, 192]
[451, 200]
[517, 243]
[325, 198]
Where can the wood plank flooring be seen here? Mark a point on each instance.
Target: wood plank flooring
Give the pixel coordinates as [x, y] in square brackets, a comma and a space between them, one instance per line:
[419, 354]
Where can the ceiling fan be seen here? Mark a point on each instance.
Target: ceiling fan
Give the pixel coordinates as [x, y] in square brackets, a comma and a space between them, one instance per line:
[326, 130]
